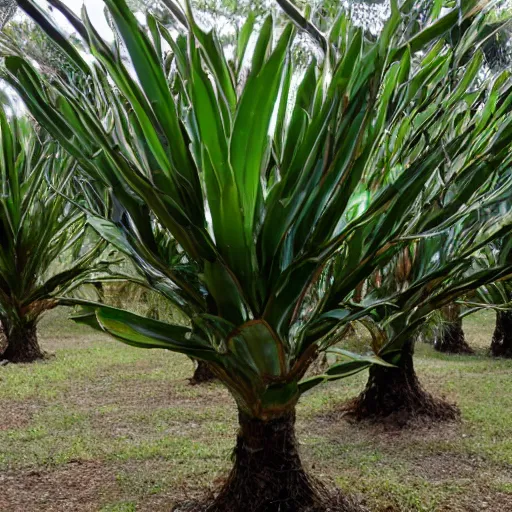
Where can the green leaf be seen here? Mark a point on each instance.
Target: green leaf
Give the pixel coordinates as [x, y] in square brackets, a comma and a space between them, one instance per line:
[351, 364]
[250, 140]
[263, 46]
[243, 39]
[53, 32]
[144, 332]
[258, 346]
[348, 356]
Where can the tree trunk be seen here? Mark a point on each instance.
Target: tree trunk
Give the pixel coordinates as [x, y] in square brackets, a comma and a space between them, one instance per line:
[396, 395]
[268, 475]
[202, 373]
[501, 345]
[22, 344]
[452, 339]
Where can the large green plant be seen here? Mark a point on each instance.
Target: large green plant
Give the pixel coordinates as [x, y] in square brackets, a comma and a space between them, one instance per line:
[441, 266]
[496, 295]
[42, 251]
[430, 274]
[262, 185]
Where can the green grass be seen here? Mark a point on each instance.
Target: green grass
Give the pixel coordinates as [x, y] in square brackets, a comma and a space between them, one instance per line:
[105, 427]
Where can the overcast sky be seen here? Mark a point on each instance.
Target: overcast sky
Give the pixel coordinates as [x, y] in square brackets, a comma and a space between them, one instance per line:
[95, 11]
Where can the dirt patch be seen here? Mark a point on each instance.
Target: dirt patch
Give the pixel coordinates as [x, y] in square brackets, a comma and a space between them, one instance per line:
[15, 414]
[77, 487]
[107, 391]
[481, 502]
[140, 393]
[134, 408]
[87, 486]
[441, 467]
[336, 422]
[158, 485]
[71, 341]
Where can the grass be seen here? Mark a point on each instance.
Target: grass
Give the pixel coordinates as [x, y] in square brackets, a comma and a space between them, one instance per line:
[105, 427]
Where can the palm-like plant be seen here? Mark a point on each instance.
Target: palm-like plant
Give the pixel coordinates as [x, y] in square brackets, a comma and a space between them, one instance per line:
[434, 267]
[450, 337]
[262, 187]
[496, 295]
[42, 256]
[430, 274]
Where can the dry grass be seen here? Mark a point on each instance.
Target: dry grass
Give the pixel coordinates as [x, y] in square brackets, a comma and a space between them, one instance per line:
[104, 427]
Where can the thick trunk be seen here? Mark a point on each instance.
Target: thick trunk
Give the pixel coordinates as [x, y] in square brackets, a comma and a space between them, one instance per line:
[202, 374]
[452, 340]
[22, 344]
[501, 345]
[268, 475]
[395, 394]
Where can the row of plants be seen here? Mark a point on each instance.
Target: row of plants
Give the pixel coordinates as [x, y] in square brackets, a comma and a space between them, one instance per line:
[272, 203]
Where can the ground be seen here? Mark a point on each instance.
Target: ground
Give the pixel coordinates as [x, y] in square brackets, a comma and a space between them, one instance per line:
[110, 428]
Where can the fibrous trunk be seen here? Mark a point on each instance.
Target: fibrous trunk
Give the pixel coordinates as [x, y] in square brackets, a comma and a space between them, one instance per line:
[452, 340]
[501, 345]
[202, 373]
[268, 475]
[396, 395]
[22, 344]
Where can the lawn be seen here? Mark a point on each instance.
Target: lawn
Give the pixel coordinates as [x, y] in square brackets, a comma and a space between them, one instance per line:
[105, 427]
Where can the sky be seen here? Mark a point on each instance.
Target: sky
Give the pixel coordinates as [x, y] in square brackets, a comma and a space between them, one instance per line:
[95, 11]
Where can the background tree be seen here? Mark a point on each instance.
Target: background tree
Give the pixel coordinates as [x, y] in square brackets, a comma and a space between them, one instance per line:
[8, 9]
[42, 252]
[263, 209]
[26, 38]
[442, 268]
[501, 344]
[402, 395]
[497, 295]
[22, 36]
[498, 46]
[450, 337]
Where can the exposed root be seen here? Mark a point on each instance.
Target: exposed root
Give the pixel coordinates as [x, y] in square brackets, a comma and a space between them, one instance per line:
[394, 396]
[413, 410]
[453, 341]
[268, 475]
[23, 346]
[334, 502]
[501, 345]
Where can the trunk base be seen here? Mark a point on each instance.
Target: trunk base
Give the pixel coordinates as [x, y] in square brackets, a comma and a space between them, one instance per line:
[268, 475]
[335, 503]
[202, 374]
[22, 346]
[394, 396]
[501, 345]
[453, 341]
